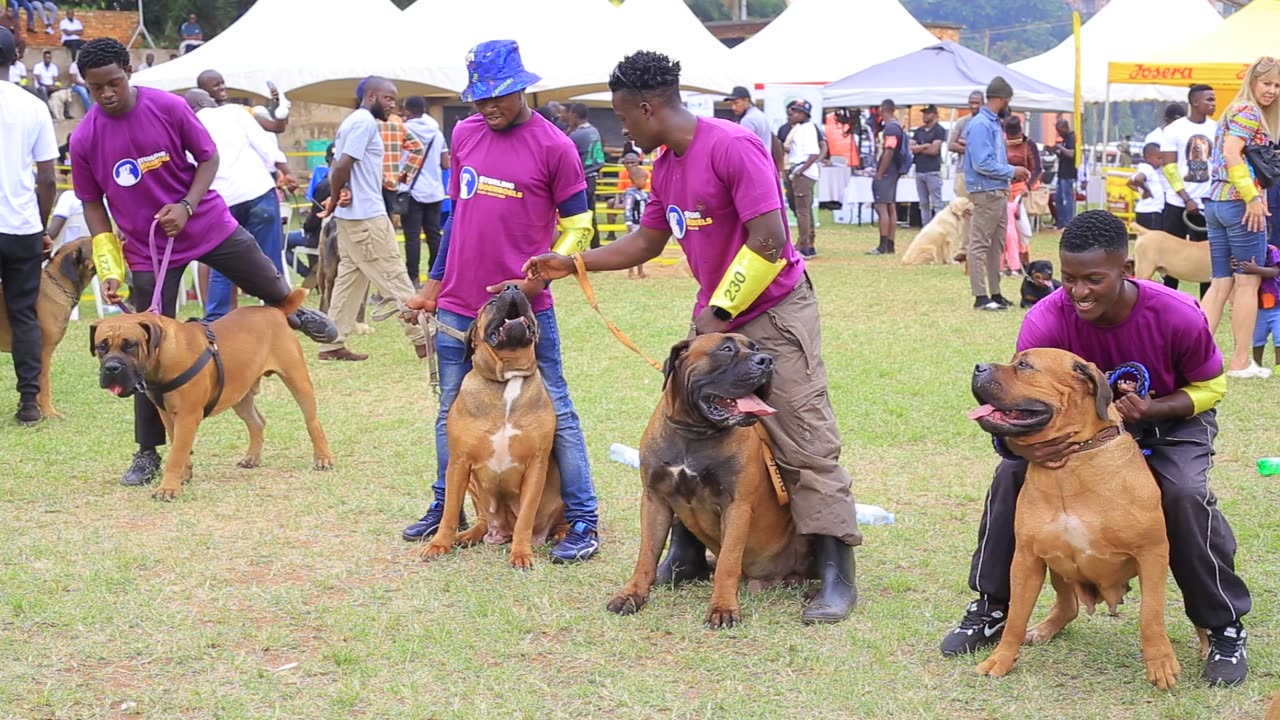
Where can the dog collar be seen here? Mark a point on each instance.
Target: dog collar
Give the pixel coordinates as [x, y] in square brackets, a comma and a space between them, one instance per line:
[1109, 433]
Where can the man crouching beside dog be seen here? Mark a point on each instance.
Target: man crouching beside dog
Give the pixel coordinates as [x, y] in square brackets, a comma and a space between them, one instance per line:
[133, 149]
[1109, 320]
[717, 194]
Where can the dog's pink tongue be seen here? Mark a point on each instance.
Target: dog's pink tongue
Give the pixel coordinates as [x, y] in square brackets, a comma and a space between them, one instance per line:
[981, 412]
[117, 390]
[752, 405]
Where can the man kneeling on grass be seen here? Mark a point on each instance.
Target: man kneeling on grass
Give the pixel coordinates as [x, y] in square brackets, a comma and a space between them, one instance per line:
[1108, 319]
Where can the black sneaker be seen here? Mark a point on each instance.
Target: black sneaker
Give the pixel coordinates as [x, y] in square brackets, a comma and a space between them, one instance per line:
[1228, 662]
[314, 324]
[986, 304]
[983, 624]
[145, 467]
[28, 413]
[579, 545]
[1001, 300]
[427, 527]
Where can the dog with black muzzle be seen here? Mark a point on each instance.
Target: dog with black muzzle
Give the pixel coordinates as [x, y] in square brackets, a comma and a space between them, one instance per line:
[192, 371]
[501, 429]
[703, 462]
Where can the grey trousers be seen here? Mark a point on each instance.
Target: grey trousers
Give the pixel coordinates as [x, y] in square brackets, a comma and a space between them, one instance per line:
[929, 190]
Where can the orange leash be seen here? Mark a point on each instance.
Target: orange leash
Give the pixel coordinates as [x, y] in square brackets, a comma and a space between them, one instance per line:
[766, 443]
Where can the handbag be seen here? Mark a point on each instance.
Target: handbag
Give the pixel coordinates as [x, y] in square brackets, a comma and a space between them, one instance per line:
[1037, 202]
[400, 205]
[1265, 161]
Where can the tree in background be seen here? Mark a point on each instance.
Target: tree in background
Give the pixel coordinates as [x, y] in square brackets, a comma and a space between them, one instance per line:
[1002, 30]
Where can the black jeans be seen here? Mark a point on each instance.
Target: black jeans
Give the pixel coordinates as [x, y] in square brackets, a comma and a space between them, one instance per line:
[1150, 220]
[74, 46]
[20, 258]
[1176, 225]
[1202, 548]
[421, 217]
[591, 208]
[243, 263]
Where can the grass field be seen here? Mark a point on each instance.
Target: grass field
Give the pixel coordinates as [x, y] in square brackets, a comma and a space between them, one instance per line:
[112, 605]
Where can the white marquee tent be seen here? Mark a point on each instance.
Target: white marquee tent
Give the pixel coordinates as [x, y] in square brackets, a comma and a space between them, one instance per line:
[316, 55]
[796, 48]
[1121, 30]
[671, 28]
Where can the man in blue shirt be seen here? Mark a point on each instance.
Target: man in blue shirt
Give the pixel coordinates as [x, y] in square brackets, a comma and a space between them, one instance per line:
[192, 35]
[987, 174]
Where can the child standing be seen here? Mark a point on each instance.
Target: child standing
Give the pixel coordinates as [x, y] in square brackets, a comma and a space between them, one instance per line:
[634, 200]
[1146, 181]
[1268, 302]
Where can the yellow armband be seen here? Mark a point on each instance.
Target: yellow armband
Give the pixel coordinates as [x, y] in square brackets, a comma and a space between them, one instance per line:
[108, 257]
[1205, 395]
[1170, 171]
[1242, 181]
[575, 234]
[745, 280]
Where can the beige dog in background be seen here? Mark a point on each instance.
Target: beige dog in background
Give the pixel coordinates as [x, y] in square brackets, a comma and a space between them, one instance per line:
[1159, 252]
[933, 243]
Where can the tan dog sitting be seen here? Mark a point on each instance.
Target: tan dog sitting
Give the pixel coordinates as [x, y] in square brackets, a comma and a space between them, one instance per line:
[934, 242]
[191, 374]
[501, 429]
[701, 461]
[65, 278]
[1095, 520]
[1159, 252]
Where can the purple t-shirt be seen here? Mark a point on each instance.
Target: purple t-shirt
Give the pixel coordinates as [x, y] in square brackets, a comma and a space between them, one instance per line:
[139, 162]
[1166, 332]
[505, 188]
[705, 198]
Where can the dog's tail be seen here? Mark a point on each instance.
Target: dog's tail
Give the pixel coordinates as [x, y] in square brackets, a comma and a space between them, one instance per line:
[1136, 229]
[293, 302]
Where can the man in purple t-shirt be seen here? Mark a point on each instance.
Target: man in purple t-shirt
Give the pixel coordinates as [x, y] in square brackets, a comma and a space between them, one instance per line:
[513, 171]
[132, 150]
[1109, 320]
[716, 191]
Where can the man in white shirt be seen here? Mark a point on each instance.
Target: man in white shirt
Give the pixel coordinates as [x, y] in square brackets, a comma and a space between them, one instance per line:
[46, 76]
[71, 29]
[803, 151]
[148, 62]
[1186, 146]
[426, 192]
[17, 73]
[25, 202]
[245, 151]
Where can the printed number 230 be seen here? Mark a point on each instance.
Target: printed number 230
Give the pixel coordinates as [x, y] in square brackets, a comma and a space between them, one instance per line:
[735, 285]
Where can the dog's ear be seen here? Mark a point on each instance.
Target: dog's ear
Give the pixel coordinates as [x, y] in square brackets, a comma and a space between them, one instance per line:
[93, 342]
[1101, 388]
[155, 335]
[673, 359]
[471, 339]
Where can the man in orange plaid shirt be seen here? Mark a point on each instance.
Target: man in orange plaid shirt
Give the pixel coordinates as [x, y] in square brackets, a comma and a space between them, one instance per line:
[402, 158]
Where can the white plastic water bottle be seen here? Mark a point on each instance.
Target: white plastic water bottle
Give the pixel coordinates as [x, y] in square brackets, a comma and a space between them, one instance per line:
[624, 454]
[872, 515]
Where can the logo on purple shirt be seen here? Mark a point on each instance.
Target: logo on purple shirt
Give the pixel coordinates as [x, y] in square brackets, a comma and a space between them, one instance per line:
[675, 218]
[469, 182]
[126, 173]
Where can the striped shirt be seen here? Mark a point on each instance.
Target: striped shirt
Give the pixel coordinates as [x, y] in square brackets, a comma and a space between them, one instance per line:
[1245, 122]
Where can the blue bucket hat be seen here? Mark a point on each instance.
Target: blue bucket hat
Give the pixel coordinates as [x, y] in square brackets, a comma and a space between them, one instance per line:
[494, 69]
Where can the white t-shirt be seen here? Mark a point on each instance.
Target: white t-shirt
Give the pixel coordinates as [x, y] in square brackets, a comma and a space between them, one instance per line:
[46, 75]
[67, 208]
[801, 143]
[1155, 203]
[428, 185]
[27, 129]
[70, 29]
[1194, 145]
[17, 72]
[244, 153]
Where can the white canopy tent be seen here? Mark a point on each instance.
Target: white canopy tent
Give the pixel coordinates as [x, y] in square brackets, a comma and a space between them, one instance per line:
[1120, 30]
[671, 28]
[296, 50]
[794, 49]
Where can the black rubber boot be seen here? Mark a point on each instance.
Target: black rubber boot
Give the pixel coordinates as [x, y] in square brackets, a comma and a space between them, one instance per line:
[686, 559]
[839, 594]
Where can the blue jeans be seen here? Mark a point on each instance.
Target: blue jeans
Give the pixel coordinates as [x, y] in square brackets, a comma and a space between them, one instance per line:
[1065, 198]
[1268, 325]
[82, 92]
[261, 217]
[1229, 239]
[570, 449]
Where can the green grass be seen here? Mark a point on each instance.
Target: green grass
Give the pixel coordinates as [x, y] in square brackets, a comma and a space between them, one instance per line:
[187, 609]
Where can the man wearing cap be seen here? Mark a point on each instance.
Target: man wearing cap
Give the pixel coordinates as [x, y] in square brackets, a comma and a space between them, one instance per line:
[884, 187]
[926, 146]
[803, 147]
[516, 180]
[753, 118]
[987, 174]
[26, 200]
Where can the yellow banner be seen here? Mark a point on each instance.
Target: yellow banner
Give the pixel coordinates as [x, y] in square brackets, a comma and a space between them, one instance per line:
[1218, 75]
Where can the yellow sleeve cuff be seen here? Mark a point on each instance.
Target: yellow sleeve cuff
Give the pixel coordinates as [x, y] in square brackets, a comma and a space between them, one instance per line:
[1206, 395]
[1242, 181]
[575, 234]
[744, 281]
[108, 257]
[1170, 171]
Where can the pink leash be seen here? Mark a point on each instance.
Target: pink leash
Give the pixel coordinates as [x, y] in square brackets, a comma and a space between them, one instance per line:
[158, 294]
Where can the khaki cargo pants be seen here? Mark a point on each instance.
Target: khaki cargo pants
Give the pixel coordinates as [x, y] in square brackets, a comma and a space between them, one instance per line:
[367, 253]
[805, 437]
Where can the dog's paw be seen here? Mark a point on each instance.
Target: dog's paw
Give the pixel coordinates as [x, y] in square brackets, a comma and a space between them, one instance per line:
[723, 617]
[166, 494]
[248, 462]
[998, 665]
[434, 551]
[1163, 671]
[521, 559]
[626, 603]
[324, 462]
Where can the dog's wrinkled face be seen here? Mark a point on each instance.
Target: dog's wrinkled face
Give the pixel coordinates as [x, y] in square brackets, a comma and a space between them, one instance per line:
[74, 263]
[1041, 394]
[721, 379]
[125, 346]
[502, 339]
